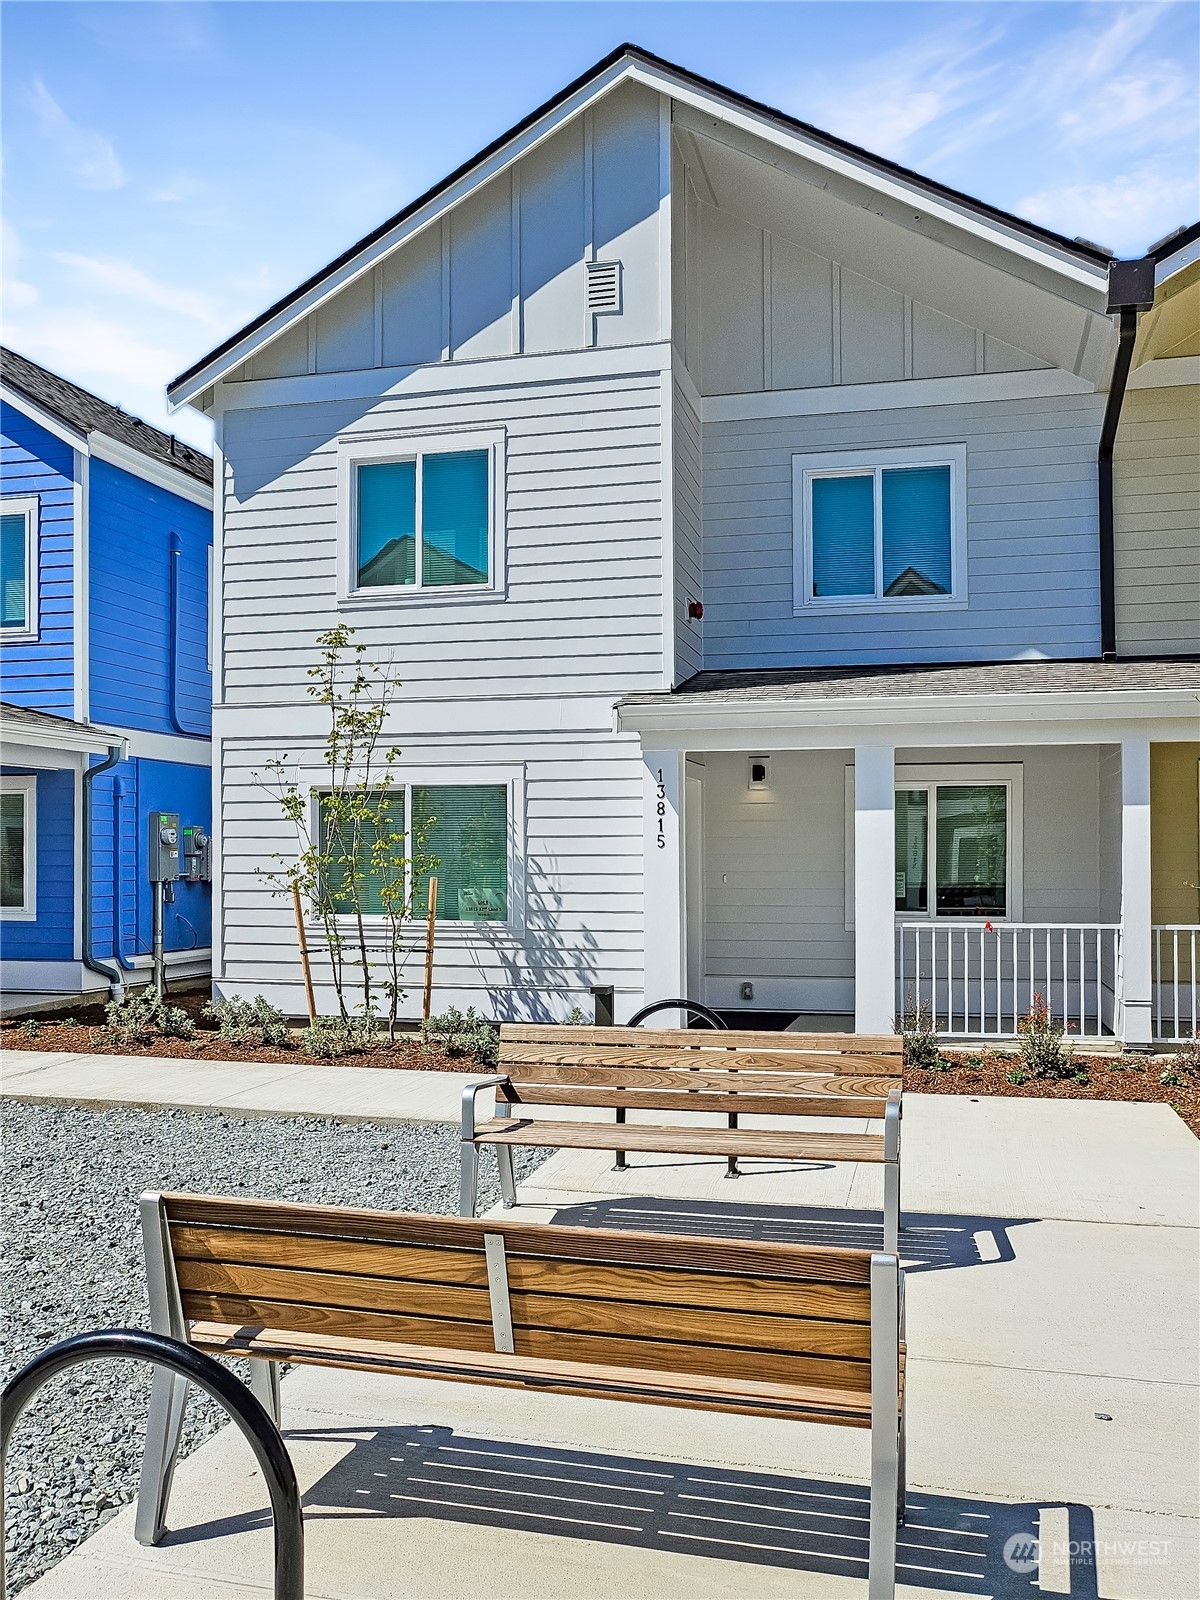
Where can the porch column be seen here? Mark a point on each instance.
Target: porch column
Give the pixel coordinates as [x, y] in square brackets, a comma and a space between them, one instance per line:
[663, 873]
[874, 888]
[1135, 890]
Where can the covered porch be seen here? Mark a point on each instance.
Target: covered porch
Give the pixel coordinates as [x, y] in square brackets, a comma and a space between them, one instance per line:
[849, 844]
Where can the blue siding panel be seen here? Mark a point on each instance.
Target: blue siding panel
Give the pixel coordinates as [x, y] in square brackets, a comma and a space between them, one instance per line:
[51, 937]
[33, 461]
[131, 527]
[142, 786]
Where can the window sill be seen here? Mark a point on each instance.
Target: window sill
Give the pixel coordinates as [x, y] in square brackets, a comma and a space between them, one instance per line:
[19, 638]
[863, 607]
[388, 599]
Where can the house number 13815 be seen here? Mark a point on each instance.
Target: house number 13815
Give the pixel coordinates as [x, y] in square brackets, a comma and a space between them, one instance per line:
[660, 808]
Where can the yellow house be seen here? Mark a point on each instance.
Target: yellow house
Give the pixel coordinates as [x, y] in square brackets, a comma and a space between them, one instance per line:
[1156, 525]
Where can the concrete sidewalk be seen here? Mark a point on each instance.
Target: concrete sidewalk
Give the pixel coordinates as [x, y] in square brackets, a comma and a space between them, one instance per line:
[351, 1094]
[1053, 1262]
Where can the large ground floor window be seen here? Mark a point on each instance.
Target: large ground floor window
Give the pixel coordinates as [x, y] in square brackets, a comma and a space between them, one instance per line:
[952, 849]
[458, 831]
[18, 875]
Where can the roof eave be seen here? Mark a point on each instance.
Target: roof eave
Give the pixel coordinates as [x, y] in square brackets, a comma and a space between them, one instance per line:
[1084, 264]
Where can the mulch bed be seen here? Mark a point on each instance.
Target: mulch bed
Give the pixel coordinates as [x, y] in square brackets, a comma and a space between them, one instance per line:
[1109, 1077]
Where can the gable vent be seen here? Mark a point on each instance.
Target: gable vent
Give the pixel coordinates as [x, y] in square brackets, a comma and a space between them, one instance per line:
[603, 285]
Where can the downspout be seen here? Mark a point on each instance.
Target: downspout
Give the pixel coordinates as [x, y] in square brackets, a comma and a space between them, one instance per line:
[1130, 291]
[116, 984]
[175, 592]
[120, 790]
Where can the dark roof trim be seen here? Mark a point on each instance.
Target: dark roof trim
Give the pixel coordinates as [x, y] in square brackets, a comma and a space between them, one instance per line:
[1094, 255]
[84, 413]
[1174, 242]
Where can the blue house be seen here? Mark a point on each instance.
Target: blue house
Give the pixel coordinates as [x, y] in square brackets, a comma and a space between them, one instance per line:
[105, 686]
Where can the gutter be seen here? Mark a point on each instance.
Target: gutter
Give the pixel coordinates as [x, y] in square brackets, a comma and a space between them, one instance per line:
[112, 975]
[1130, 291]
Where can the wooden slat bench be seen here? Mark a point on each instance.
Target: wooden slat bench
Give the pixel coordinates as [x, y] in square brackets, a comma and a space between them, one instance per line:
[670, 1069]
[795, 1331]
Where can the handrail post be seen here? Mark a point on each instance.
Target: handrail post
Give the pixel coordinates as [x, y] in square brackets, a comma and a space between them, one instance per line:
[135, 1344]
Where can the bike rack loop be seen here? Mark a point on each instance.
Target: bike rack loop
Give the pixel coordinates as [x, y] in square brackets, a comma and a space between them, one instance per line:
[693, 1008]
[134, 1344]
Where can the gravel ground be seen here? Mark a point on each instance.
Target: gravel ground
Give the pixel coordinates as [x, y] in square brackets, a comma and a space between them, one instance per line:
[72, 1262]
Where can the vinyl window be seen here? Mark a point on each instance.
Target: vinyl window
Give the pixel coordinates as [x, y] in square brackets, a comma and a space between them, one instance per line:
[18, 568]
[18, 848]
[464, 826]
[881, 530]
[421, 517]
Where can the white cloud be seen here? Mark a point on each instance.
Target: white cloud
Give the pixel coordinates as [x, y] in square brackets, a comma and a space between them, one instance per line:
[90, 156]
[1124, 212]
[181, 186]
[124, 279]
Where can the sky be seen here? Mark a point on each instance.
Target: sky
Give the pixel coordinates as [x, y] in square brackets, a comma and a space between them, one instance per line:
[173, 168]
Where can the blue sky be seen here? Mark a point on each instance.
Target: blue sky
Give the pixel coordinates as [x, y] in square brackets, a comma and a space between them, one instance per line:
[171, 168]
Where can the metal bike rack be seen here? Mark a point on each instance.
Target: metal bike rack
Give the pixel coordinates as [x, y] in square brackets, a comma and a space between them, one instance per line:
[690, 1008]
[134, 1344]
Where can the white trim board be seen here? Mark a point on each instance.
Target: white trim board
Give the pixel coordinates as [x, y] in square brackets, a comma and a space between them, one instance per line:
[160, 746]
[173, 479]
[463, 376]
[35, 413]
[1167, 372]
[832, 399]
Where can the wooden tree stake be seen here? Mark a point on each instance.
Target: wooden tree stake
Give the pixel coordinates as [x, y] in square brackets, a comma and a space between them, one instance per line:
[429, 945]
[304, 961]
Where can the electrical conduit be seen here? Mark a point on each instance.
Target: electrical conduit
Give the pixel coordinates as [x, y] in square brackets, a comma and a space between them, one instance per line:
[112, 975]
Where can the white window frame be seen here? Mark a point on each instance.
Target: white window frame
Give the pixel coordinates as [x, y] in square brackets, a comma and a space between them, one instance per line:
[316, 780]
[371, 451]
[24, 784]
[931, 775]
[27, 506]
[841, 463]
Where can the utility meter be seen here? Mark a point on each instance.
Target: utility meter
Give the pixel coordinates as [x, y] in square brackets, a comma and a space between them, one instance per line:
[164, 846]
[197, 855]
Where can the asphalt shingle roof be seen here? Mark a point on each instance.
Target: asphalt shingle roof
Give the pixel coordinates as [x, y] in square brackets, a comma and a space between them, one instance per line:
[15, 718]
[985, 677]
[87, 413]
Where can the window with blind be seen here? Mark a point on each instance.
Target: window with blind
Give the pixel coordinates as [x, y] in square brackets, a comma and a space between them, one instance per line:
[878, 529]
[952, 849]
[424, 522]
[458, 831]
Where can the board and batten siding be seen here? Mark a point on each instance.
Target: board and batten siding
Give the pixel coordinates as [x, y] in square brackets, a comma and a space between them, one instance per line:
[581, 607]
[41, 674]
[578, 889]
[689, 534]
[1032, 559]
[1156, 522]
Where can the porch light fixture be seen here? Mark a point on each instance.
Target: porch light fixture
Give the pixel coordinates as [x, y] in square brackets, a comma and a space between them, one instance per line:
[760, 777]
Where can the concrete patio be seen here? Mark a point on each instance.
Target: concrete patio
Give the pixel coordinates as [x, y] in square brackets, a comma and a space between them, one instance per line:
[1054, 1259]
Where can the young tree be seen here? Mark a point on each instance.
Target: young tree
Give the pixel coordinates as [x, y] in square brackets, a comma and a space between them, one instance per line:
[352, 860]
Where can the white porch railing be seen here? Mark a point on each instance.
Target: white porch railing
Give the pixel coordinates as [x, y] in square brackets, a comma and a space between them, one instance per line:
[980, 979]
[1176, 982]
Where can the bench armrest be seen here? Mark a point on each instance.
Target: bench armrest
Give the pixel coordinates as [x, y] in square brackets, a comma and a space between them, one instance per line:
[891, 1126]
[468, 1101]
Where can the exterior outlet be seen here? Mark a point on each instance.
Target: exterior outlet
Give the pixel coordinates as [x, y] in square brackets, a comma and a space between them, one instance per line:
[603, 286]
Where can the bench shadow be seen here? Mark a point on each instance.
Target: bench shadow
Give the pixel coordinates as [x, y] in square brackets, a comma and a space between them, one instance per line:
[929, 1241]
[950, 1543]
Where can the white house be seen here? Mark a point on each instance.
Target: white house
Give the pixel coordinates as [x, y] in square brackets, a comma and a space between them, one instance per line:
[728, 498]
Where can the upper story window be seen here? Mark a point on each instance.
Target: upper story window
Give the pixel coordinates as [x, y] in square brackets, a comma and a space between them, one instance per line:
[880, 529]
[422, 515]
[18, 567]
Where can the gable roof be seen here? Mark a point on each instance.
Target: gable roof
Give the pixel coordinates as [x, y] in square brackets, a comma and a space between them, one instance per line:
[86, 413]
[621, 62]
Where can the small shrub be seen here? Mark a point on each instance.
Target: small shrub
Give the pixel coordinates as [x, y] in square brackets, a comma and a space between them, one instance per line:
[918, 1029]
[331, 1037]
[32, 1028]
[1044, 1053]
[253, 1022]
[975, 1061]
[70, 1022]
[1015, 1075]
[1187, 1060]
[1126, 1064]
[137, 1018]
[576, 1019]
[1172, 1079]
[463, 1034]
[1081, 1076]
